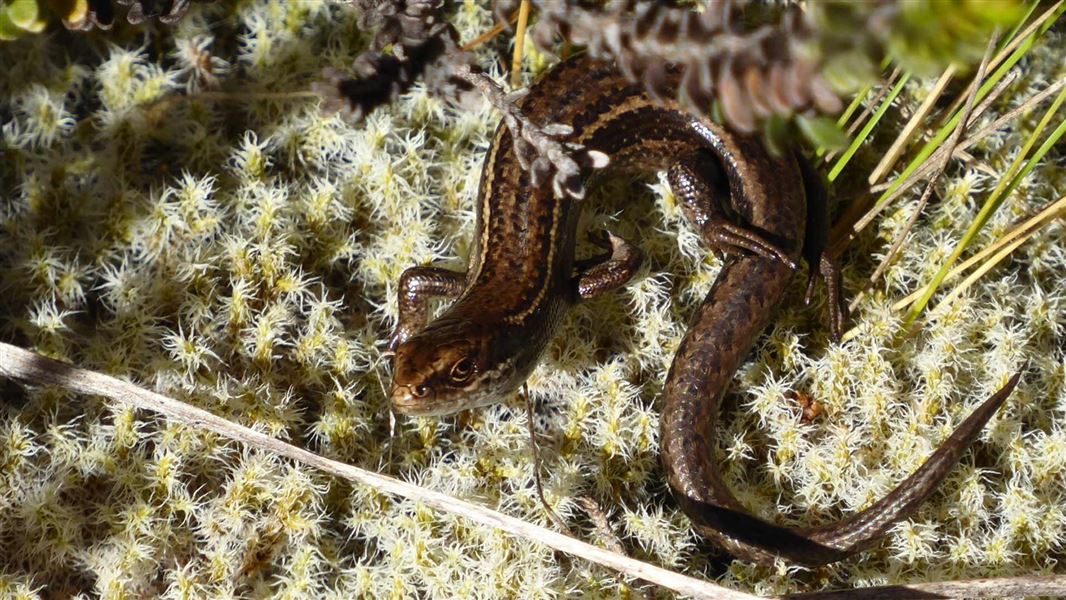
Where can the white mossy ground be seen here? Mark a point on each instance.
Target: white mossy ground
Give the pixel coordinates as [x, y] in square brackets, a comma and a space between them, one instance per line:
[242, 256]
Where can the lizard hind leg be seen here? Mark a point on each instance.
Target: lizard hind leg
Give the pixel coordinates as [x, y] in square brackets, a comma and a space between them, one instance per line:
[821, 262]
[699, 184]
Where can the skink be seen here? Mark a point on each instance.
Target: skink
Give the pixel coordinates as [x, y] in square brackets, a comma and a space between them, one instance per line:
[522, 277]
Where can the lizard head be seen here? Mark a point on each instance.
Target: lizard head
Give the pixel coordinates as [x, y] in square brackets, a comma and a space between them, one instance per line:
[449, 367]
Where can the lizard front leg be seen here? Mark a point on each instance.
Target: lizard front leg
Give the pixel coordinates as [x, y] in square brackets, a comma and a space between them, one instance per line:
[601, 274]
[418, 285]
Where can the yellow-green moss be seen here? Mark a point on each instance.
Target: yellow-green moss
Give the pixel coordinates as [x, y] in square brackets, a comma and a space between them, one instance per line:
[243, 256]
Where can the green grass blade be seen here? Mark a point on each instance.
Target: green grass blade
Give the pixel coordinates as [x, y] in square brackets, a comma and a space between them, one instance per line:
[952, 123]
[1018, 26]
[1008, 183]
[983, 91]
[855, 104]
[1038, 155]
[844, 158]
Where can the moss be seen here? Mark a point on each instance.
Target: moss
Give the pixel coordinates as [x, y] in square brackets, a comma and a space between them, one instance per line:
[243, 255]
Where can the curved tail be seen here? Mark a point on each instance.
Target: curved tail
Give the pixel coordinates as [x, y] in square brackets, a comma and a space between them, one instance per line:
[688, 428]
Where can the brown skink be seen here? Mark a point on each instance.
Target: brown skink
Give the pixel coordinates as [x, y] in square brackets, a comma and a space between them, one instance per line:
[522, 277]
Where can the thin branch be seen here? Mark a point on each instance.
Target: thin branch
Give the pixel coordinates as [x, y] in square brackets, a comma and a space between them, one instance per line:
[519, 44]
[22, 364]
[850, 224]
[490, 34]
[931, 162]
[1008, 79]
[870, 106]
[994, 95]
[901, 140]
[942, 164]
[970, 141]
[868, 110]
[999, 587]
[1027, 228]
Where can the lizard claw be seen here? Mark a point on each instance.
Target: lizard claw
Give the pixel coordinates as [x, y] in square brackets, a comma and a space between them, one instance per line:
[828, 270]
[728, 237]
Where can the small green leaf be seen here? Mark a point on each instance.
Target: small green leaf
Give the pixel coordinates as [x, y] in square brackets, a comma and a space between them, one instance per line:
[775, 134]
[823, 132]
[8, 30]
[25, 14]
[850, 71]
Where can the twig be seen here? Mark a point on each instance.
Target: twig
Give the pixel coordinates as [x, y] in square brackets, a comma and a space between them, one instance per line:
[534, 450]
[519, 44]
[22, 364]
[1033, 223]
[999, 587]
[930, 163]
[942, 164]
[851, 223]
[868, 110]
[864, 133]
[901, 140]
[992, 96]
[977, 136]
[488, 35]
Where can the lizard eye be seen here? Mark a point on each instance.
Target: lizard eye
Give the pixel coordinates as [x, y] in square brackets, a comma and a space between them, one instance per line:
[462, 370]
[420, 391]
